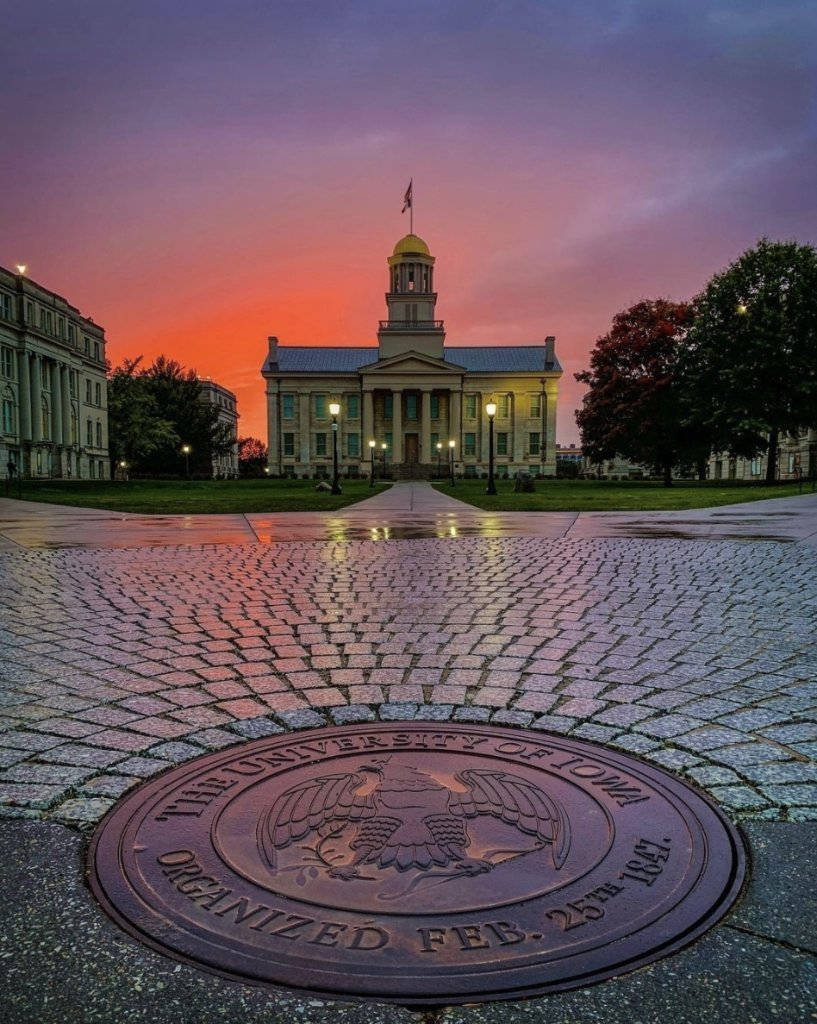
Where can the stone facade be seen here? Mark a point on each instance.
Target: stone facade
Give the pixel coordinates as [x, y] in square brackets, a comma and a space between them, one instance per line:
[412, 393]
[797, 455]
[225, 466]
[53, 393]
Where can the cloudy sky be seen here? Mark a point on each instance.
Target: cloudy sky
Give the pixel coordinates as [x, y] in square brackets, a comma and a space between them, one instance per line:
[197, 175]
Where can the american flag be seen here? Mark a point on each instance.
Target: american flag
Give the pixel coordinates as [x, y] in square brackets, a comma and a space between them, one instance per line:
[407, 198]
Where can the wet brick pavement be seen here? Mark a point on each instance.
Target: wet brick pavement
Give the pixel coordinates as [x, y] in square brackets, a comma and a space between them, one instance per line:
[698, 656]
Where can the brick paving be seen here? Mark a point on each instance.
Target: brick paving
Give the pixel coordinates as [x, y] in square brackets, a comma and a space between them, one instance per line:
[698, 656]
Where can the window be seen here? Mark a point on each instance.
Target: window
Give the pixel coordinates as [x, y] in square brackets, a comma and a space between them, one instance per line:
[9, 426]
[470, 407]
[389, 445]
[503, 406]
[353, 445]
[5, 306]
[411, 407]
[61, 326]
[87, 391]
[792, 462]
[470, 443]
[98, 434]
[74, 425]
[425, 279]
[98, 393]
[502, 443]
[30, 312]
[435, 407]
[288, 407]
[533, 442]
[72, 382]
[7, 362]
[353, 407]
[435, 437]
[535, 406]
[96, 351]
[86, 342]
[289, 445]
[320, 444]
[389, 407]
[89, 433]
[91, 469]
[320, 407]
[46, 420]
[101, 469]
[755, 467]
[72, 334]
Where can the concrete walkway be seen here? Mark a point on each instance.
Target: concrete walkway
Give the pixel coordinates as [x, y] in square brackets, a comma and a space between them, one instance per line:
[407, 510]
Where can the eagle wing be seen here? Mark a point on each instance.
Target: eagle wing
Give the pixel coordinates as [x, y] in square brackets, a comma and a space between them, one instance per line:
[516, 801]
[309, 805]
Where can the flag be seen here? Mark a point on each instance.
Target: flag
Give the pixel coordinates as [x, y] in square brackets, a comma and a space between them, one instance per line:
[407, 198]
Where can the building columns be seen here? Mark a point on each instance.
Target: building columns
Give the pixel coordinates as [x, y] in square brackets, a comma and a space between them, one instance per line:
[65, 390]
[397, 427]
[483, 433]
[455, 420]
[36, 399]
[425, 427]
[518, 449]
[549, 441]
[25, 396]
[56, 404]
[305, 430]
[368, 423]
[273, 440]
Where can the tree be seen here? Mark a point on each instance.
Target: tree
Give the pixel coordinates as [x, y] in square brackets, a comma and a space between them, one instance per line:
[153, 411]
[252, 456]
[752, 350]
[636, 403]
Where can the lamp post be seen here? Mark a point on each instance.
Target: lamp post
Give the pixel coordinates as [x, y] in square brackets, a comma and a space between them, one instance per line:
[372, 446]
[451, 446]
[124, 469]
[490, 409]
[186, 449]
[439, 460]
[334, 410]
[383, 448]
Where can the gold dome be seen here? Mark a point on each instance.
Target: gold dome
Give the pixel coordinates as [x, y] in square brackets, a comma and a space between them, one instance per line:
[411, 244]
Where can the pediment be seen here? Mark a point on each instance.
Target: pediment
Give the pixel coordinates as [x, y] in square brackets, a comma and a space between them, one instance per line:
[411, 362]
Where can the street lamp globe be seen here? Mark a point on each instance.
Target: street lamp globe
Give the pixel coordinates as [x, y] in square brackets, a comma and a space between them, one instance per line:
[452, 444]
[384, 446]
[372, 444]
[334, 408]
[490, 409]
[186, 449]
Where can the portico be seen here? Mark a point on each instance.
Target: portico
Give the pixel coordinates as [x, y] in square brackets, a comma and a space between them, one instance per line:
[412, 392]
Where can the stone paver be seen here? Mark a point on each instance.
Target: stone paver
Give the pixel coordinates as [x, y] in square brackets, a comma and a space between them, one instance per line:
[696, 655]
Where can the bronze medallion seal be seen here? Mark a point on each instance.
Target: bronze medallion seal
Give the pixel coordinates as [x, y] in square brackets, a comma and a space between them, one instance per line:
[418, 863]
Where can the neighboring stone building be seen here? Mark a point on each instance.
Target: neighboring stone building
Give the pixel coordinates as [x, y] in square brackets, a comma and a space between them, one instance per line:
[412, 392]
[53, 395]
[796, 455]
[224, 466]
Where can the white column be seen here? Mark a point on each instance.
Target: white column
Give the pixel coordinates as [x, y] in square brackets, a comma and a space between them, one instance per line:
[304, 427]
[425, 427]
[56, 404]
[483, 434]
[517, 412]
[273, 440]
[25, 396]
[36, 400]
[550, 440]
[65, 396]
[455, 420]
[367, 424]
[397, 427]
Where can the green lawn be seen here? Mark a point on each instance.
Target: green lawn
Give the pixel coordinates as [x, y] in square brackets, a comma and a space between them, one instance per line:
[613, 495]
[182, 496]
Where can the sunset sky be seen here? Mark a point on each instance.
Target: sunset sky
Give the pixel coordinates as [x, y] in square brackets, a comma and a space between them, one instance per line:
[197, 175]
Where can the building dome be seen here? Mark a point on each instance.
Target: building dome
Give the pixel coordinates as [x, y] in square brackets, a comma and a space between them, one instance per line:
[411, 244]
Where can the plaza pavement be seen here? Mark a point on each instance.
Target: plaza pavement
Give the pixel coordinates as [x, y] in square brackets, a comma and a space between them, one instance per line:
[131, 643]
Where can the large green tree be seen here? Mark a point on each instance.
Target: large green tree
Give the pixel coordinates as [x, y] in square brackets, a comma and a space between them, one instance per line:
[636, 403]
[751, 358]
[157, 409]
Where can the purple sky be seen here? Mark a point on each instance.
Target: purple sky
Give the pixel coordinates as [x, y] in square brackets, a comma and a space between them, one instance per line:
[197, 176]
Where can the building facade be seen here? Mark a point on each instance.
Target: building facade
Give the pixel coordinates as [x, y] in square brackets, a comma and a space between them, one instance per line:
[411, 393]
[225, 464]
[53, 393]
[796, 459]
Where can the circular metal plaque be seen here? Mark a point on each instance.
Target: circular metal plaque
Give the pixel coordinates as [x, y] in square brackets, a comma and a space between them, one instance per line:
[416, 863]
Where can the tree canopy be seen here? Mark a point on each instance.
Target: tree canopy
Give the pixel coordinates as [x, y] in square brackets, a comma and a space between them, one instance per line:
[153, 411]
[252, 456]
[751, 360]
[635, 405]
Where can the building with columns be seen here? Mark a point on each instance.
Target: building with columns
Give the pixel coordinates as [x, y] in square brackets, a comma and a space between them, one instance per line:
[224, 464]
[53, 395]
[412, 392]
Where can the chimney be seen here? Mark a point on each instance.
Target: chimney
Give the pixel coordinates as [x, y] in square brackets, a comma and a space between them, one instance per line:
[273, 351]
[550, 352]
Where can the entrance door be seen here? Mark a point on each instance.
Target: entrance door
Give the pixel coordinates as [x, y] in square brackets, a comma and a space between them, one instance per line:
[412, 449]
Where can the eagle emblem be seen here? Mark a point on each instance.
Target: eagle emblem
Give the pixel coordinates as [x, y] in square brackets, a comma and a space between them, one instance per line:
[399, 817]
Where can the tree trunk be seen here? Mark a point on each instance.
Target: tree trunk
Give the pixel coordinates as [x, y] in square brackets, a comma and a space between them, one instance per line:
[700, 466]
[771, 459]
[668, 474]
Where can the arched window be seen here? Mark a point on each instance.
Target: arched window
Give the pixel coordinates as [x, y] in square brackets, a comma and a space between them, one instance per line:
[46, 420]
[74, 424]
[8, 422]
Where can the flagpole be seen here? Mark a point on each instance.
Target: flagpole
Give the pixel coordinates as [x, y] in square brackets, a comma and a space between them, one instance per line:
[411, 208]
